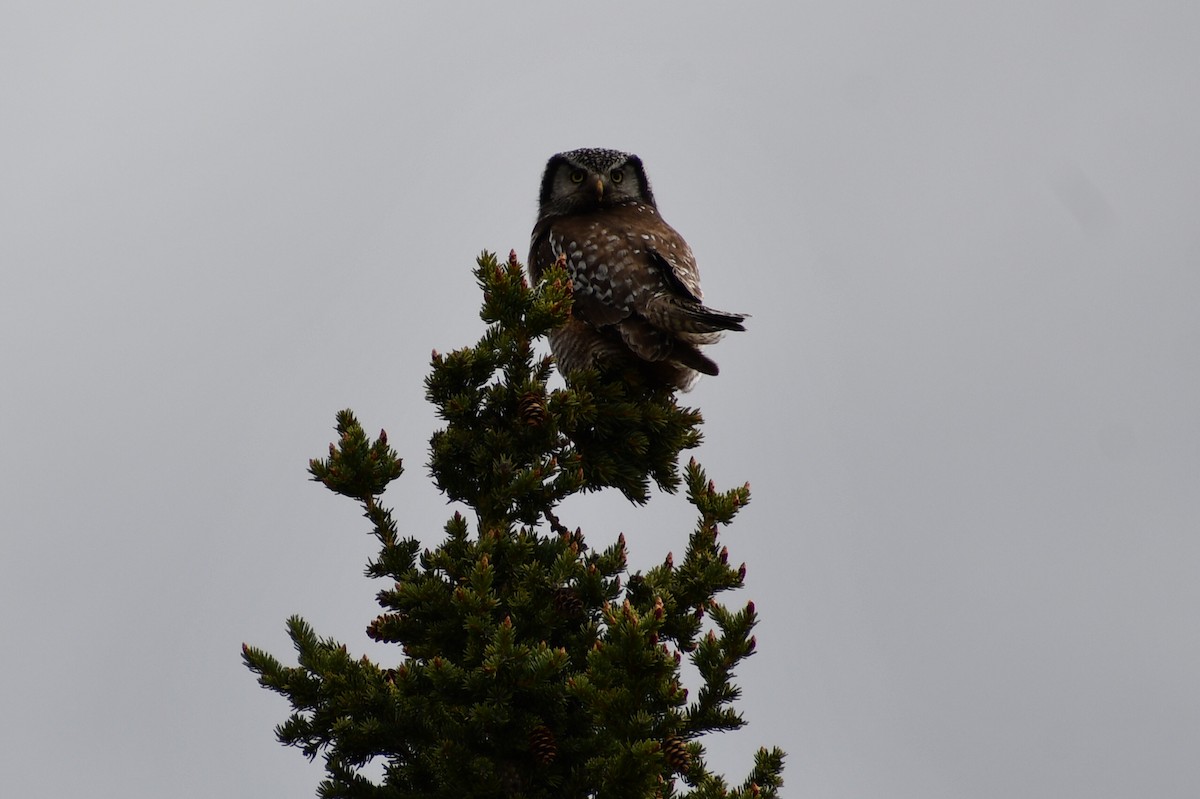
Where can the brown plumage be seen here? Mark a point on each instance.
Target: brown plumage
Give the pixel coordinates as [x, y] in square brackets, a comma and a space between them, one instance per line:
[637, 291]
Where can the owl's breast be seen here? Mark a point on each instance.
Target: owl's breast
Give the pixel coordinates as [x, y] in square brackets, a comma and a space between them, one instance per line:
[604, 265]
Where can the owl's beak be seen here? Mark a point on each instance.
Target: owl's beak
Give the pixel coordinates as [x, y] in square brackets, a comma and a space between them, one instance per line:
[599, 188]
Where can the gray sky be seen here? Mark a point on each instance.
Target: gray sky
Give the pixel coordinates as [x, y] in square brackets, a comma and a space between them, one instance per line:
[967, 401]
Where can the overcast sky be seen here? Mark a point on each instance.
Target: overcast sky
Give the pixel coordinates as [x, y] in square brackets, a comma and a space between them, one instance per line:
[968, 401]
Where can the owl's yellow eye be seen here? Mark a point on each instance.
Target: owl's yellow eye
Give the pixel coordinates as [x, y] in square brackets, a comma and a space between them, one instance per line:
[577, 175]
[617, 176]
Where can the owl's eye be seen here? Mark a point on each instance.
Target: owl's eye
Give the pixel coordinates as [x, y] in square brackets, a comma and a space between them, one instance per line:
[617, 176]
[577, 175]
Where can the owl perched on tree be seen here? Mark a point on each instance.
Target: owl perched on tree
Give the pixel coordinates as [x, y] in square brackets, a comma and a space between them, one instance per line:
[637, 290]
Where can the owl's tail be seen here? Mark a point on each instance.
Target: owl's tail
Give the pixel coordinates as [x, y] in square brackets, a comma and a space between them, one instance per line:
[710, 320]
[679, 315]
[693, 358]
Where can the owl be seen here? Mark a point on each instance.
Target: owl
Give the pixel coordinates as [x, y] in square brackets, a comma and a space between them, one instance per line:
[637, 292]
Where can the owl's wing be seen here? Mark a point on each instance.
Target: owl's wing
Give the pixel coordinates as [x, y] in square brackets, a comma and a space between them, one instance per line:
[681, 309]
[672, 257]
[540, 256]
[683, 279]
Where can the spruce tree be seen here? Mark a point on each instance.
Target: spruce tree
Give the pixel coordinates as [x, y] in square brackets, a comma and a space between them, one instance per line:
[530, 665]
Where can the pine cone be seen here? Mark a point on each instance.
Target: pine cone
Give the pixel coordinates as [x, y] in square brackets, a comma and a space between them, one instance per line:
[541, 743]
[567, 602]
[675, 750]
[531, 409]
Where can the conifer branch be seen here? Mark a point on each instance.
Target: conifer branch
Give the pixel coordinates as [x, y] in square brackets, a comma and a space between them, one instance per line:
[530, 665]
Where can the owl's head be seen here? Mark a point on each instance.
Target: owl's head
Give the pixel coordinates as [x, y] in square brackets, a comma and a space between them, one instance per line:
[584, 180]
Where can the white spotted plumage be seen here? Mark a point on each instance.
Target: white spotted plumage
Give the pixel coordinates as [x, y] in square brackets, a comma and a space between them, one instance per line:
[637, 296]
